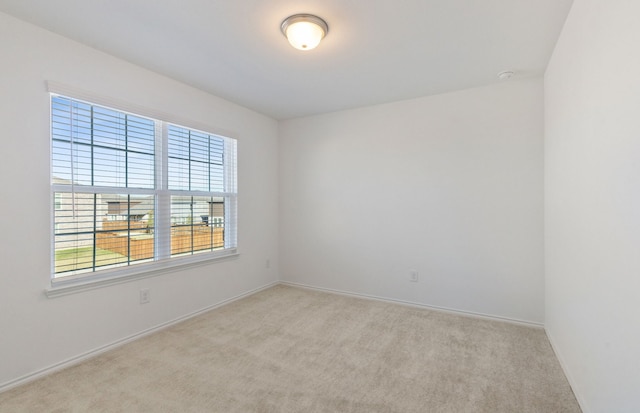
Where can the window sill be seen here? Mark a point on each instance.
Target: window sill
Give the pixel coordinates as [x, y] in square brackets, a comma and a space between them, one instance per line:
[72, 285]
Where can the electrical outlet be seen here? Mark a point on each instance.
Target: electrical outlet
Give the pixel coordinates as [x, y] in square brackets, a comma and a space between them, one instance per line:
[413, 276]
[145, 296]
[267, 264]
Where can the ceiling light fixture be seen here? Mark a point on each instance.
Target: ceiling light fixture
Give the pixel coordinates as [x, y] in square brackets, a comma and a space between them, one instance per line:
[304, 31]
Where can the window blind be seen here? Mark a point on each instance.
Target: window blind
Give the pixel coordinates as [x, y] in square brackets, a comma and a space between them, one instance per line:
[128, 189]
[202, 201]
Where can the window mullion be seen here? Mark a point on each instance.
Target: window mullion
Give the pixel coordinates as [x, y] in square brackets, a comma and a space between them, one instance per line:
[95, 227]
[190, 161]
[162, 220]
[126, 151]
[95, 247]
[93, 172]
[128, 229]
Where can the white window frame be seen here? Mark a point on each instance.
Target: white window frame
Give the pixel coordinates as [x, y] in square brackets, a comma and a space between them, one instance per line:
[163, 262]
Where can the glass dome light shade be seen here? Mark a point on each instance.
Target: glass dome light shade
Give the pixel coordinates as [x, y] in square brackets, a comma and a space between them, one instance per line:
[304, 32]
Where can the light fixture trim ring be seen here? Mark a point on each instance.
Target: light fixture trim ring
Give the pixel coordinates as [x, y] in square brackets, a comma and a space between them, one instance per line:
[303, 17]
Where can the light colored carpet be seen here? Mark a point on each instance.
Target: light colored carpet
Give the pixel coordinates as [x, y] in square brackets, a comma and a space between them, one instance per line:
[287, 349]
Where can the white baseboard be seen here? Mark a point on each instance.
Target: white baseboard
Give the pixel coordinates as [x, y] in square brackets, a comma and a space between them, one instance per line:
[581, 401]
[95, 352]
[418, 305]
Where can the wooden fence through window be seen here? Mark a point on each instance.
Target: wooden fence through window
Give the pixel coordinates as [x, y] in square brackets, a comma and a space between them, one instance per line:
[138, 244]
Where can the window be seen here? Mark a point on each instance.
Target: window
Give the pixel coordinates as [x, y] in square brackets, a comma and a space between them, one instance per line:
[128, 190]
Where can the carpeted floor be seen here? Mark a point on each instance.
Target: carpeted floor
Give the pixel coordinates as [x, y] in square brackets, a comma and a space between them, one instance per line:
[287, 349]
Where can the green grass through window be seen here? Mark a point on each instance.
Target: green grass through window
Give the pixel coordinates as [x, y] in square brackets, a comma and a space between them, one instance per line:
[82, 258]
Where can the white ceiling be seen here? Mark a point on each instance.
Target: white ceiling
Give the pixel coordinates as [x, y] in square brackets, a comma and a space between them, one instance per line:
[376, 51]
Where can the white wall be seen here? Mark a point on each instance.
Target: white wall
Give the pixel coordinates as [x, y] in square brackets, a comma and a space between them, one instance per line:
[450, 185]
[592, 203]
[37, 332]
